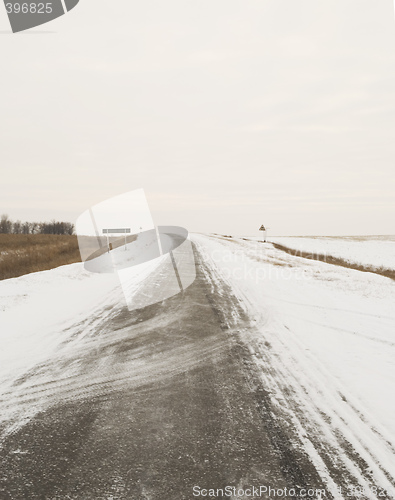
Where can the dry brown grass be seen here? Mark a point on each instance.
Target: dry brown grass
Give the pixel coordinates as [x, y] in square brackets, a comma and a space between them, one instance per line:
[337, 261]
[28, 253]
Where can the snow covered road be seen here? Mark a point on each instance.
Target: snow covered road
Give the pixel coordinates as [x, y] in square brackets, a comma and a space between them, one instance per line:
[270, 367]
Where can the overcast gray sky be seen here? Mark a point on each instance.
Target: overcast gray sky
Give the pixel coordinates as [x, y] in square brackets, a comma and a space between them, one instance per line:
[228, 113]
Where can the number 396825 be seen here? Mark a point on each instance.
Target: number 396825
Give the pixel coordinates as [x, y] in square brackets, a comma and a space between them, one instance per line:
[29, 8]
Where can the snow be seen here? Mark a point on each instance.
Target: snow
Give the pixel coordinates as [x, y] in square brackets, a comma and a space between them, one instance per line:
[47, 317]
[331, 332]
[372, 251]
[37, 308]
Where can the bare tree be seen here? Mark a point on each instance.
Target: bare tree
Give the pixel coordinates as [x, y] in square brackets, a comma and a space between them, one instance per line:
[55, 227]
[17, 227]
[34, 227]
[69, 228]
[26, 228]
[5, 224]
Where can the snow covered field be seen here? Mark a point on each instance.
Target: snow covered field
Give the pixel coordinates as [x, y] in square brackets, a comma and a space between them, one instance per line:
[370, 251]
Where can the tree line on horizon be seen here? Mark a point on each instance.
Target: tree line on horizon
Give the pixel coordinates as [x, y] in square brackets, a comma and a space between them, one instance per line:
[7, 226]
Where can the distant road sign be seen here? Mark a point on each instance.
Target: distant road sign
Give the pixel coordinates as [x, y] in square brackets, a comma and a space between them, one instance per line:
[262, 228]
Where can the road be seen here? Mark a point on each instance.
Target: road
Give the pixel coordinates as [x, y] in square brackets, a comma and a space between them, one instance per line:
[154, 403]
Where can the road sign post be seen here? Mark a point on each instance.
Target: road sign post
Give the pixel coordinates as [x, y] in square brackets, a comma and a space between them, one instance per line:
[263, 228]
